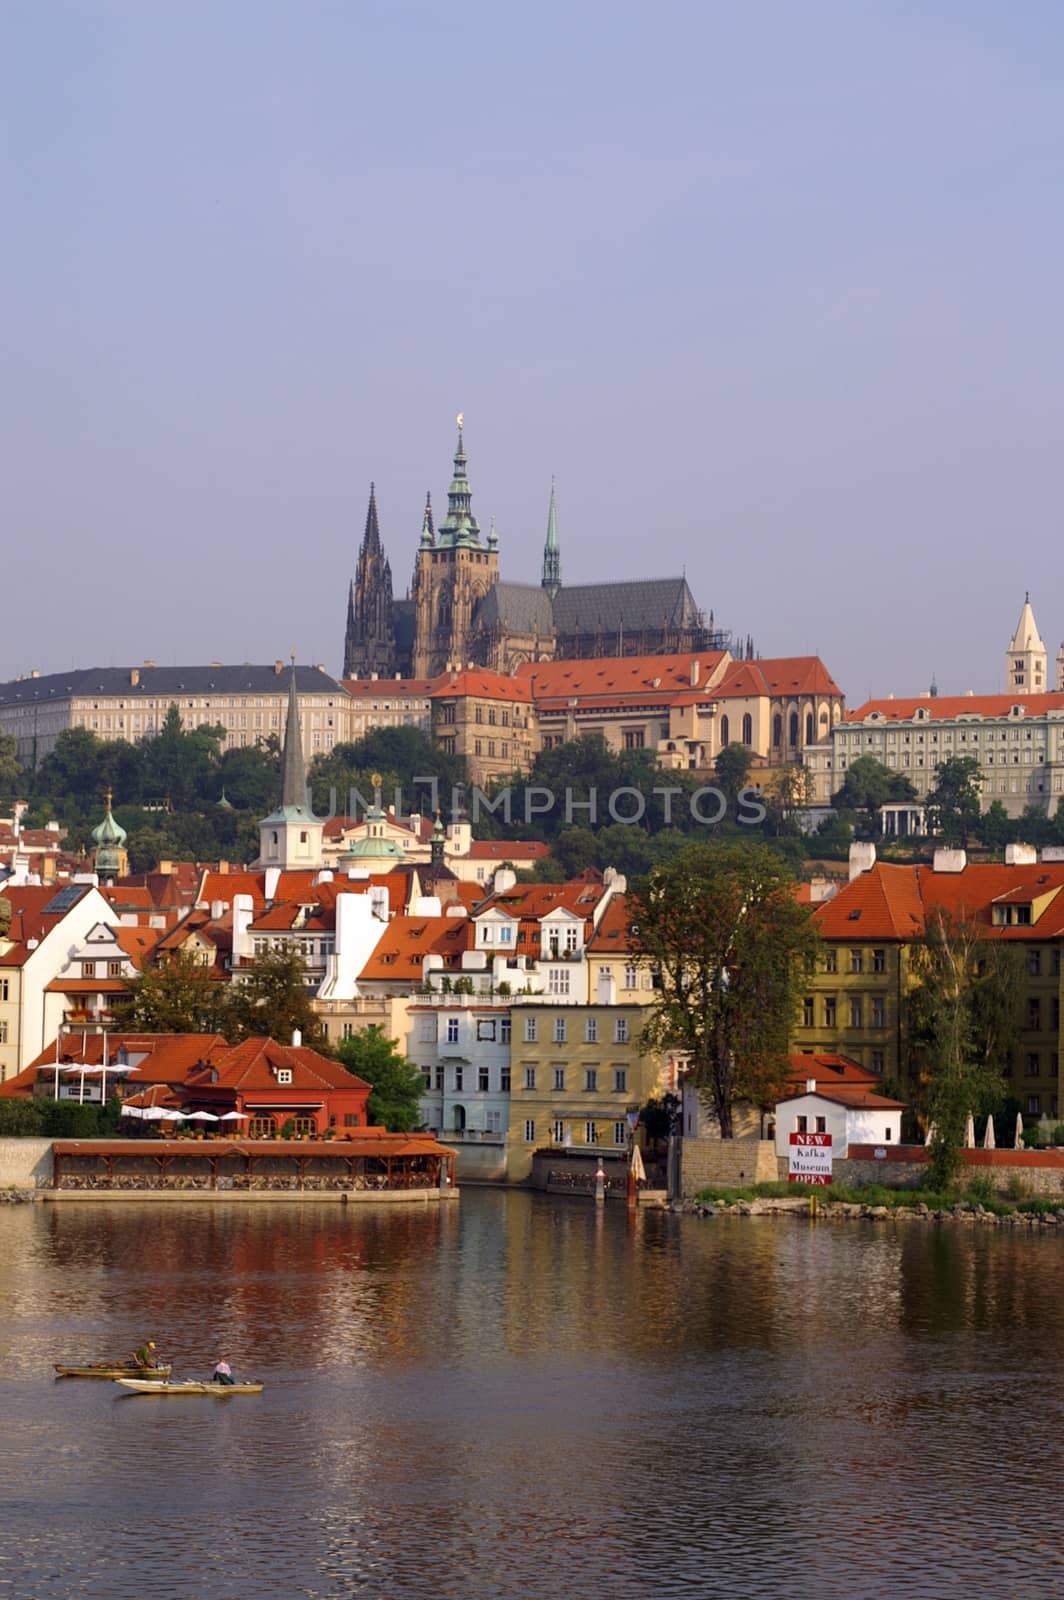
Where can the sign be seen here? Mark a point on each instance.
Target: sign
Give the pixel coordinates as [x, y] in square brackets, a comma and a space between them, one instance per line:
[879, 1154]
[809, 1158]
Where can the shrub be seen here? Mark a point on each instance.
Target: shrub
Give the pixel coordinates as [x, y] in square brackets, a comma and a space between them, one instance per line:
[982, 1188]
[65, 1119]
[21, 1119]
[1016, 1189]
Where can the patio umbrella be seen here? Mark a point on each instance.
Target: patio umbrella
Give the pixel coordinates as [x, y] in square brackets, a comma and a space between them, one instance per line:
[637, 1165]
[989, 1141]
[1017, 1143]
[199, 1116]
[234, 1116]
[132, 1111]
[153, 1114]
[969, 1133]
[930, 1134]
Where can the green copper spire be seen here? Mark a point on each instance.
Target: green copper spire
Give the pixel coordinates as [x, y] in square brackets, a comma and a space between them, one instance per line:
[293, 771]
[552, 556]
[460, 526]
[428, 535]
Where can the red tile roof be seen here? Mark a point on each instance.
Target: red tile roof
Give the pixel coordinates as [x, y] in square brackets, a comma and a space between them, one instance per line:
[891, 902]
[614, 936]
[830, 1071]
[939, 708]
[622, 680]
[778, 675]
[506, 850]
[481, 685]
[407, 940]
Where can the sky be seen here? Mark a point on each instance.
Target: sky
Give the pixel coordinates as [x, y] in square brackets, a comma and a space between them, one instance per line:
[773, 291]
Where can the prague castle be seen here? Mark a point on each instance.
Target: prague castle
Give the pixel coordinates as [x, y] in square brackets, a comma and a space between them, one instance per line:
[461, 612]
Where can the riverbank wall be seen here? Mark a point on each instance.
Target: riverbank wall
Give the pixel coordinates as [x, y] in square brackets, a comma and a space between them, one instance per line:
[26, 1164]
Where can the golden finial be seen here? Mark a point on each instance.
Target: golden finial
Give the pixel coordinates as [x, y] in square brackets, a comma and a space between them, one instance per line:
[460, 420]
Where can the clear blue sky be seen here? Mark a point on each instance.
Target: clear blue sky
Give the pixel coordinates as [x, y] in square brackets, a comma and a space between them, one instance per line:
[773, 289]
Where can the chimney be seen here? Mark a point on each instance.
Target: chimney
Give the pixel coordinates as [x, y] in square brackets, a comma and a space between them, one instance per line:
[297, 1039]
[217, 910]
[503, 878]
[134, 677]
[223, 869]
[149, 663]
[696, 668]
[862, 857]
[1021, 855]
[810, 1086]
[278, 666]
[950, 861]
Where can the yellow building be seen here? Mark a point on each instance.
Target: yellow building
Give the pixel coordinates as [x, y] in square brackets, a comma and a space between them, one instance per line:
[488, 719]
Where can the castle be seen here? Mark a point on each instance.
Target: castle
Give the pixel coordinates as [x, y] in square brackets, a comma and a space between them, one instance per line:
[460, 612]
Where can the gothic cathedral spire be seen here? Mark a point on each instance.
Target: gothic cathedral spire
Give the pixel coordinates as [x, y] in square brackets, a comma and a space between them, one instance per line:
[369, 642]
[552, 556]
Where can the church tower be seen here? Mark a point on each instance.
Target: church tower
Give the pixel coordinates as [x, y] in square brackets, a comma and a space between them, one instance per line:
[291, 835]
[369, 642]
[552, 556]
[1025, 660]
[454, 572]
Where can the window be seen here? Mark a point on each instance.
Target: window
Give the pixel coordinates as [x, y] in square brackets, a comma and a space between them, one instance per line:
[559, 1030]
[572, 934]
[807, 1012]
[620, 1133]
[1034, 1105]
[856, 1012]
[88, 969]
[459, 1079]
[114, 969]
[590, 1133]
[620, 1031]
[631, 976]
[856, 960]
[802, 1125]
[504, 1030]
[620, 1080]
[284, 1074]
[427, 1075]
[879, 1060]
[559, 1078]
[1034, 1013]
[483, 1079]
[879, 961]
[452, 1030]
[634, 739]
[831, 961]
[530, 1030]
[530, 1077]
[506, 934]
[830, 1015]
[504, 1080]
[3, 1032]
[351, 1119]
[591, 1080]
[1034, 1064]
[439, 1079]
[557, 1131]
[486, 1028]
[426, 1030]
[558, 981]
[748, 728]
[821, 1125]
[1034, 963]
[260, 1127]
[4, 986]
[879, 1012]
[591, 1030]
[530, 1132]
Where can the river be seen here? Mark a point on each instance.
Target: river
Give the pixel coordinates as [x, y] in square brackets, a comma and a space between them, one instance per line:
[516, 1398]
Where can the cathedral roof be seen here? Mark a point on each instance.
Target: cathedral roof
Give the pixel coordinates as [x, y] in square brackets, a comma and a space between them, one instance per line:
[519, 608]
[651, 603]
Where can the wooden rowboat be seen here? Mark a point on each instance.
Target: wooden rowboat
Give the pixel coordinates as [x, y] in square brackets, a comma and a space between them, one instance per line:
[109, 1369]
[187, 1386]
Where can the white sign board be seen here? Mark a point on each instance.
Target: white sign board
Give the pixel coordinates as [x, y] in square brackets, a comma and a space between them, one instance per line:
[809, 1158]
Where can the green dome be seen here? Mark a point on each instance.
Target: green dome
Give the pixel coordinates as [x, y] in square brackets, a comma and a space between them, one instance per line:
[109, 832]
[375, 846]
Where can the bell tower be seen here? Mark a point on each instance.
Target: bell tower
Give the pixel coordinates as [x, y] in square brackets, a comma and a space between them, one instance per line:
[1025, 660]
[454, 571]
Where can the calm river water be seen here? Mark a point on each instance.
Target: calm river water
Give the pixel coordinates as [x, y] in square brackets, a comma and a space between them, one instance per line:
[516, 1397]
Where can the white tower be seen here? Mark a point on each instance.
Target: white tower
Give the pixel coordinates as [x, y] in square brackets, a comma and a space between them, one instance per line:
[1025, 660]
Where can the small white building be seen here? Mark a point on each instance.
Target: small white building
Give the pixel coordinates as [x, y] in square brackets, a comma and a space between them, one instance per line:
[850, 1116]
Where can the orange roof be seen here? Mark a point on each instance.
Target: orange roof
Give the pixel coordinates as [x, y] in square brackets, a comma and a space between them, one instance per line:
[891, 902]
[507, 850]
[613, 936]
[407, 940]
[831, 1071]
[622, 679]
[857, 1099]
[777, 675]
[481, 684]
[884, 903]
[224, 886]
[940, 708]
[253, 1065]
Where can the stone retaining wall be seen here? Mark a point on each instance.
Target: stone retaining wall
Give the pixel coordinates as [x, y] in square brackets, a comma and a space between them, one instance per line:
[726, 1163]
[26, 1163]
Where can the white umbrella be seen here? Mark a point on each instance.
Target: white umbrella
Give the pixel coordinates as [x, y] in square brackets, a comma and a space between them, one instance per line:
[153, 1114]
[969, 1133]
[234, 1116]
[199, 1116]
[170, 1116]
[930, 1134]
[1017, 1143]
[989, 1141]
[132, 1111]
[637, 1165]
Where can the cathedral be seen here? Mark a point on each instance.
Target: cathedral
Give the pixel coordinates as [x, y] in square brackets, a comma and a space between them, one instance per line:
[460, 612]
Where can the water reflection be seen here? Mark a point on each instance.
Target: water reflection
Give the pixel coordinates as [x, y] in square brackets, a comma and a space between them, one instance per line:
[516, 1397]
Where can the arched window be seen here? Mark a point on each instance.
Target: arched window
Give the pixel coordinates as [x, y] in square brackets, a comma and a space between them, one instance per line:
[810, 735]
[794, 727]
[724, 732]
[777, 730]
[748, 728]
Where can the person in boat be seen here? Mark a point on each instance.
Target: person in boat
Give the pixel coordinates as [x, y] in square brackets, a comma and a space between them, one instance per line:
[223, 1373]
[145, 1356]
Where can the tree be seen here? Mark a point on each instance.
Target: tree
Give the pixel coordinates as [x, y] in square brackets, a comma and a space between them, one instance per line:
[397, 1084]
[732, 768]
[996, 827]
[721, 926]
[180, 996]
[868, 785]
[953, 804]
[10, 771]
[963, 1019]
[273, 1002]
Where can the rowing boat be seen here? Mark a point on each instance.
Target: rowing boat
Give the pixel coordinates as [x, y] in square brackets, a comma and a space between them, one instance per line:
[187, 1386]
[108, 1369]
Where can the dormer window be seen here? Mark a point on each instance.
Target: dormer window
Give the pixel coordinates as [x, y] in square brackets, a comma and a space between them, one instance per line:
[284, 1075]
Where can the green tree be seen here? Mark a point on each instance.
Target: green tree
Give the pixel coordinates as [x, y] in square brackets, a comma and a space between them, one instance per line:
[397, 1084]
[721, 926]
[732, 768]
[953, 803]
[963, 1016]
[868, 785]
[179, 996]
[273, 1002]
[10, 771]
[72, 768]
[251, 775]
[996, 828]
